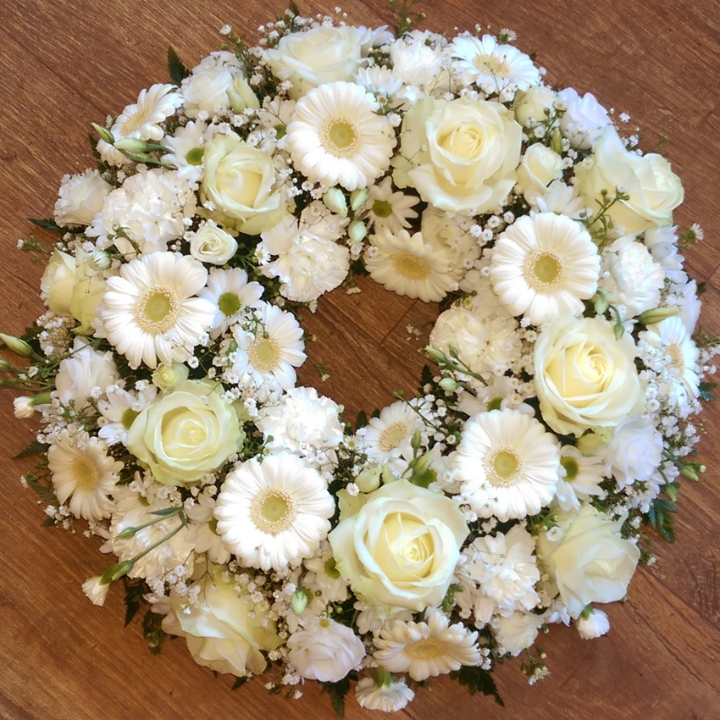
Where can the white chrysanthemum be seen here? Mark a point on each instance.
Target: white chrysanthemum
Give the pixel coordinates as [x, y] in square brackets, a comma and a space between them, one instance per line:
[634, 452]
[387, 438]
[505, 569]
[270, 350]
[275, 513]
[83, 475]
[507, 464]
[149, 208]
[142, 119]
[426, 649]
[386, 698]
[544, 267]
[380, 81]
[560, 199]
[582, 478]
[494, 67]
[410, 265]
[309, 262]
[148, 312]
[418, 59]
[390, 209]
[337, 137]
[662, 244]
[231, 294]
[181, 144]
[210, 86]
[120, 410]
[323, 578]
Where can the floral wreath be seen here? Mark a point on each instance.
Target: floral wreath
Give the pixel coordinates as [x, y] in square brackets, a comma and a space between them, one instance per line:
[444, 532]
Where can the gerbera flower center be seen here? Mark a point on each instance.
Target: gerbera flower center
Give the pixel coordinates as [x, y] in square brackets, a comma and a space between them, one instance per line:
[571, 468]
[229, 303]
[135, 121]
[543, 270]
[411, 266]
[492, 64]
[426, 649]
[676, 358]
[504, 467]
[273, 511]
[264, 354]
[382, 209]
[340, 137]
[392, 436]
[158, 310]
[85, 473]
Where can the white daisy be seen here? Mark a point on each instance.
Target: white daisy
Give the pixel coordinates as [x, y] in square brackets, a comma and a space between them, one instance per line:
[410, 265]
[390, 209]
[202, 529]
[323, 578]
[426, 649]
[508, 465]
[83, 474]
[269, 348]
[544, 267]
[275, 513]
[120, 410]
[582, 478]
[148, 312]
[492, 66]
[142, 119]
[186, 149]
[336, 137]
[386, 698]
[231, 294]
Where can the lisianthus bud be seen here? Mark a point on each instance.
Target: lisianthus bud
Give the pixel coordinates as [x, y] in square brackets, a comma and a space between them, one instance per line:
[104, 133]
[656, 315]
[18, 346]
[334, 200]
[357, 231]
[358, 198]
[131, 145]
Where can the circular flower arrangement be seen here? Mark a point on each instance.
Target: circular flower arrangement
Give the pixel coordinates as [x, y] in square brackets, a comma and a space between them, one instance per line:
[446, 531]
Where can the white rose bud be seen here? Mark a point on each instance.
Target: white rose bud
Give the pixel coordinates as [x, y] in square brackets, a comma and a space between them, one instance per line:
[334, 200]
[168, 377]
[211, 244]
[539, 167]
[592, 623]
[533, 104]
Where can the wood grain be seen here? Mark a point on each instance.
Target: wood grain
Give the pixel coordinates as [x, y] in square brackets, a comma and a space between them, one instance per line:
[69, 62]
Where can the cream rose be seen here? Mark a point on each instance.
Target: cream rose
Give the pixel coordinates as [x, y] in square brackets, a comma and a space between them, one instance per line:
[533, 104]
[240, 183]
[185, 434]
[585, 377]
[460, 155]
[401, 547]
[592, 562]
[539, 167]
[211, 244]
[87, 291]
[654, 190]
[58, 281]
[224, 631]
[320, 55]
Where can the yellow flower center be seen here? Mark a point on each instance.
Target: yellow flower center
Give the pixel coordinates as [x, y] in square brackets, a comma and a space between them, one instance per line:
[392, 436]
[676, 358]
[411, 266]
[503, 467]
[229, 303]
[264, 354]
[543, 271]
[492, 65]
[136, 121]
[157, 310]
[85, 473]
[273, 511]
[426, 649]
[382, 208]
[340, 137]
[466, 141]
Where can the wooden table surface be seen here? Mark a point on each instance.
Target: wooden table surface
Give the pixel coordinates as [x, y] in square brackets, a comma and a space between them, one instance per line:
[66, 63]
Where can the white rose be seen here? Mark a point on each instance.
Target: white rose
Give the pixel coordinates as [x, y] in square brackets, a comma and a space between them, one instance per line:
[83, 371]
[168, 377]
[402, 546]
[516, 632]
[654, 190]
[635, 451]
[460, 155]
[211, 244]
[539, 167]
[531, 105]
[325, 650]
[592, 624]
[320, 55]
[81, 198]
[585, 377]
[584, 120]
[592, 562]
[58, 281]
[240, 183]
[224, 632]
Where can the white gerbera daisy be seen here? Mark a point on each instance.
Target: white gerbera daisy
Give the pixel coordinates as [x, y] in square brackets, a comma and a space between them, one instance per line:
[275, 513]
[494, 67]
[426, 649]
[386, 698]
[410, 265]
[142, 119]
[120, 410]
[582, 478]
[231, 294]
[148, 312]
[387, 438]
[83, 474]
[390, 209]
[270, 347]
[336, 137]
[544, 267]
[507, 464]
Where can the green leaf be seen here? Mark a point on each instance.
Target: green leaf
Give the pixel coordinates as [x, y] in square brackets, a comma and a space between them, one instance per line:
[47, 225]
[448, 602]
[42, 491]
[337, 692]
[477, 680]
[153, 632]
[426, 377]
[48, 522]
[705, 388]
[134, 592]
[661, 518]
[34, 448]
[178, 71]
[239, 683]
[361, 420]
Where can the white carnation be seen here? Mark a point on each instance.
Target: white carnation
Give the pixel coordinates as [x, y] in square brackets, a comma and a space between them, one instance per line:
[635, 451]
[592, 625]
[83, 371]
[515, 633]
[81, 198]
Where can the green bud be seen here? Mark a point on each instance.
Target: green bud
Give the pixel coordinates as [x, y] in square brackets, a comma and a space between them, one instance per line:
[4, 365]
[18, 346]
[368, 480]
[357, 231]
[104, 133]
[131, 145]
[141, 157]
[434, 354]
[358, 198]
[448, 384]
[689, 472]
[299, 601]
[195, 156]
[41, 399]
[382, 677]
[127, 533]
[334, 201]
[556, 141]
[619, 330]
[656, 315]
[115, 571]
[387, 475]
[601, 303]
[421, 464]
[416, 440]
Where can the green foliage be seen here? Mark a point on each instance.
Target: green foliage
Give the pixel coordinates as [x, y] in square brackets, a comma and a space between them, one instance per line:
[41, 487]
[47, 225]
[405, 18]
[448, 602]
[705, 388]
[34, 448]
[178, 71]
[134, 592]
[153, 632]
[239, 683]
[361, 420]
[661, 518]
[337, 692]
[477, 680]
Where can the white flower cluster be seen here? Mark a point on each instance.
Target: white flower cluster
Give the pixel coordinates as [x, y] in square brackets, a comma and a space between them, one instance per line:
[447, 530]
